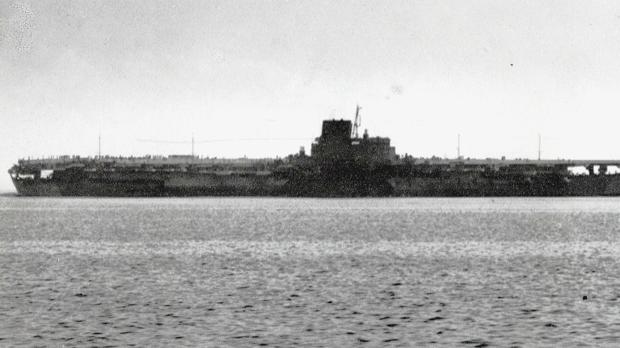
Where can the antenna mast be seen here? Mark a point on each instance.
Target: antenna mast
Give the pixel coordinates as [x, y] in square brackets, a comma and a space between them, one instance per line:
[357, 123]
[458, 146]
[192, 145]
[99, 151]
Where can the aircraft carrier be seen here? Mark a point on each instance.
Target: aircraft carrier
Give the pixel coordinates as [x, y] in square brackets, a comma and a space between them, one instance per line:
[341, 164]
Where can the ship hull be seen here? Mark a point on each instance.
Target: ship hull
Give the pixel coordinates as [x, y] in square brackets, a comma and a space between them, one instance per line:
[534, 187]
[151, 185]
[368, 185]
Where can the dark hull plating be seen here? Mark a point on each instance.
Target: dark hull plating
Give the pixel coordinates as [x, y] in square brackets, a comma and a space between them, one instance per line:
[353, 184]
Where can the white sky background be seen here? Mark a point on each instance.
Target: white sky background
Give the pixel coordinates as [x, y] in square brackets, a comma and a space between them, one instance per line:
[497, 72]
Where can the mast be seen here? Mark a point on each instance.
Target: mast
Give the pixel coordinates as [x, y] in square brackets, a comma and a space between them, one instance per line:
[458, 146]
[99, 150]
[192, 145]
[357, 123]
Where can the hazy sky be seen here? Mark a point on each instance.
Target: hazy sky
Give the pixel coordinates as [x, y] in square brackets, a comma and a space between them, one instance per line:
[497, 72]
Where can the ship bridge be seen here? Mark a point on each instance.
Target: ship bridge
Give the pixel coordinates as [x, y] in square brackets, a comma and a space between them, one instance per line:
[338, 143]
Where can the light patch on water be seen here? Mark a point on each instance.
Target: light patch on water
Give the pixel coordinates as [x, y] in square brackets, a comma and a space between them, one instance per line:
[282, 204]
[314, 249]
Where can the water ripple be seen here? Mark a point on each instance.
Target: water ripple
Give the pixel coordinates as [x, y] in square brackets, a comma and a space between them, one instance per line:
[316, 249]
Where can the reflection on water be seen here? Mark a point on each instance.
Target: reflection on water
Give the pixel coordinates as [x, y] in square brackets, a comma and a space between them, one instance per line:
[284, 272]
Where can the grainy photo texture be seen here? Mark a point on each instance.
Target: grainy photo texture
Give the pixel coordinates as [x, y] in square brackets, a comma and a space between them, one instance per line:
[309, 173]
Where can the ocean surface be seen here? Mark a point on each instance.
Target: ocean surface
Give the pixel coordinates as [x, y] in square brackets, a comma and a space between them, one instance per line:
[277, 272]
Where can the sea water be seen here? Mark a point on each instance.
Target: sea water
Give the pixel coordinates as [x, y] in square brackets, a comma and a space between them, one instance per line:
[279, 272]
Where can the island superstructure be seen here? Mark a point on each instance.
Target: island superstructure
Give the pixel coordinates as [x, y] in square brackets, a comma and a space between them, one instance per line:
[341, 164]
